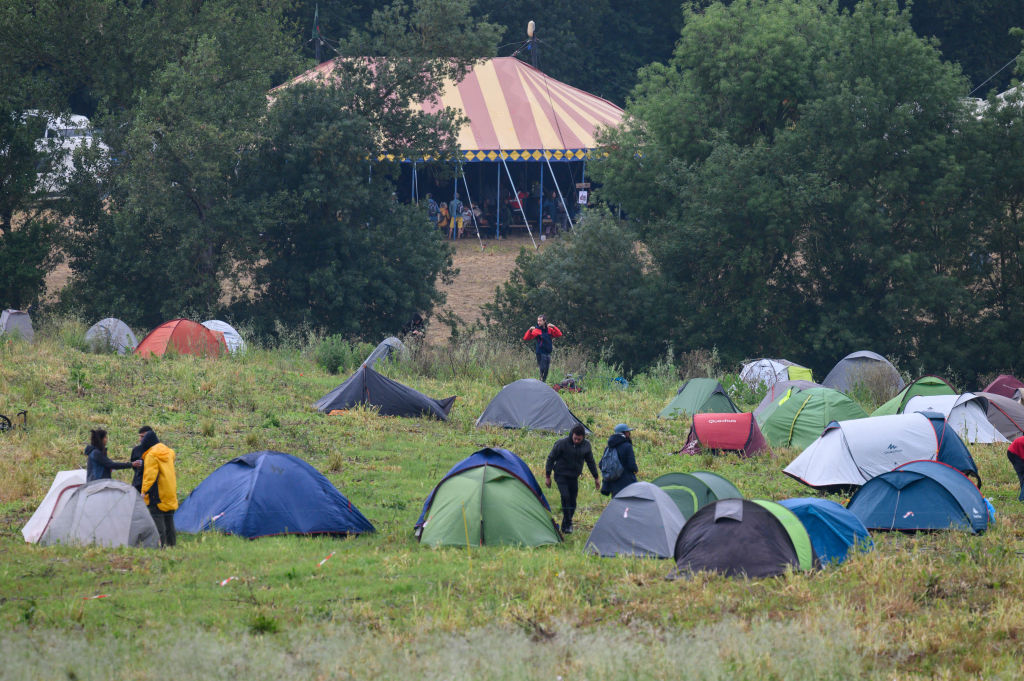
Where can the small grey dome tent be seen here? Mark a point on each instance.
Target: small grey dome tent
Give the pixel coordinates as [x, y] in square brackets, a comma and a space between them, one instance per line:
[368, 387]
[863, 366]
[106, 513]
[530, 404]
[387, 348]
[232, 338]
[641, 520]
[111, 335]
[16, 323]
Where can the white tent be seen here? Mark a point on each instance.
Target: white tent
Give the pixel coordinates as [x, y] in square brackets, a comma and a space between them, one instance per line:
[111, 334]
[966, 415]
[389, 347]
[53, 503]
[106, 512]
[16, 322]
[771, 371]
[231, 337]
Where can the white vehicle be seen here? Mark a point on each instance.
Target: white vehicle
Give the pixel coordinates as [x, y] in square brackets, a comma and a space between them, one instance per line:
[61, 137]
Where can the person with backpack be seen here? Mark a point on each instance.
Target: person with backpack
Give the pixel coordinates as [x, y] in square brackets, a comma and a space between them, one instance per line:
[543, 333]
[618, 463]
[98, 464]
[566, 462]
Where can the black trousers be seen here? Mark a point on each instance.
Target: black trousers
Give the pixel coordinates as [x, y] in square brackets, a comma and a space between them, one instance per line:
[568, 489]
[164, 526]
[543, 363]
[1018, 468]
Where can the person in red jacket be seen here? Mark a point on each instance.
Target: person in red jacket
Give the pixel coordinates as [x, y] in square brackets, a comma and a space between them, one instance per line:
[1016, 456]
[543, 333]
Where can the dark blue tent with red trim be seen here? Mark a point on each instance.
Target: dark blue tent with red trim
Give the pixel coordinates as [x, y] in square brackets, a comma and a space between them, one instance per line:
[832, 528]
[265, 493]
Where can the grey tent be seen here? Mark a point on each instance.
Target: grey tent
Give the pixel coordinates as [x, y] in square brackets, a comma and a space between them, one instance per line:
[862, 366]
[531, 404]
[104, 512]
[1006, 414]
[392, 398]
[641, 520]
[111, 335]
[16, 323]
[389, 347]
[232, 338]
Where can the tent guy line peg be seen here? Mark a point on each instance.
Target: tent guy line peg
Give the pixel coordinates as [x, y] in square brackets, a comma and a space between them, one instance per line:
[225, 582]
[92, 598]
[329, 555]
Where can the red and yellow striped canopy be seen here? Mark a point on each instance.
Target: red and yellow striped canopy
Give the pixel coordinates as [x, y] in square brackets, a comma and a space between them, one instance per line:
[517, 112]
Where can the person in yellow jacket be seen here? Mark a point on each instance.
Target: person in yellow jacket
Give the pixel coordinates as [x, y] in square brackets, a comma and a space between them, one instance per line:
[159, 484]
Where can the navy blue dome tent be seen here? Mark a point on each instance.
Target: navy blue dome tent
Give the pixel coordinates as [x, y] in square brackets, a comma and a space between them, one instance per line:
[266, 493]
[921, 495]
[833, 529]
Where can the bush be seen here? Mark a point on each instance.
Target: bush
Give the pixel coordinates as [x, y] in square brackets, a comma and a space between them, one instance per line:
[336, 354]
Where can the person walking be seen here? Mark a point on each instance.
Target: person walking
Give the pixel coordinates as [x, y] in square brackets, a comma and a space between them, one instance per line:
[620, 444]
[98, 464]
[159, 485]
[566, 462]
[542, 334]
[1016, 456]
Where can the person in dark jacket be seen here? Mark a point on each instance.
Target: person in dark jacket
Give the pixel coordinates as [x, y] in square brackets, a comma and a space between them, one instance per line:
[543, 333]
[566, 462]
[621, 442]
[147, 438]
[1016, 456]
[98, 465]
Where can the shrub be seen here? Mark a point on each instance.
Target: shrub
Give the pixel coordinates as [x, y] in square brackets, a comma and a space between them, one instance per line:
[336, 354]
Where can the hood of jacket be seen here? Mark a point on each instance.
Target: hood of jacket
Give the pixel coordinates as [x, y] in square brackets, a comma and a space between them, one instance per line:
[617, 439]
[148, 440]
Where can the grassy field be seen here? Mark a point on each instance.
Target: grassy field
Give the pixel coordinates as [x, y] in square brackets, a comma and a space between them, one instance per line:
[943, 605]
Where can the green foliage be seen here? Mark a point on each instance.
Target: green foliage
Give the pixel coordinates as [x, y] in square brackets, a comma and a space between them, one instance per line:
[336, 353]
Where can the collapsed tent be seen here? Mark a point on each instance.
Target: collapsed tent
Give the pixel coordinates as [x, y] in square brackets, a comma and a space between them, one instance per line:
[391, 398]
[849, 453]
[921, 495]
[833, 529]
[725, 433]
[16, 323]
[1005, 385]
[61, 489]
[266, 493]
[691, 491]
[736, 537]
[926, 385]
[699, 396]
[103, 512]
[490, 497]
[111, 335]
[1006, 414]
[777, 391]
[798, 417]
[770, 371]
[232, 339]
[966, 414]
[387, 348]
[183, 337]
[530, 404]
[863, 367]
[641, 520]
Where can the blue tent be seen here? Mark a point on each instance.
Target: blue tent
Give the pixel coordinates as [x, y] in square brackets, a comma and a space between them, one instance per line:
[920, 495]
[952, 450]
[832, 528]
[501, 458]
[265, 493]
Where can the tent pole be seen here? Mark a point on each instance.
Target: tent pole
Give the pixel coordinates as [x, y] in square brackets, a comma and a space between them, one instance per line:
[415, 194]
[471, 211]
[497, 210]
[521, 209]
[560, 197]
[540, 203]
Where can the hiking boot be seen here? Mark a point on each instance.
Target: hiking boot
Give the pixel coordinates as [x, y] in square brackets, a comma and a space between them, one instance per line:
[567, 530]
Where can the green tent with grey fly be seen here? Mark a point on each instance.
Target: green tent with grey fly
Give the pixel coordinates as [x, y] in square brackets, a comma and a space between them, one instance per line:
[926, 385]
[699, 396]
[691, 491]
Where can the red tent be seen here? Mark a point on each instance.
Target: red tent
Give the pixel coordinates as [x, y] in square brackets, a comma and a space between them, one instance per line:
[725, 432]
[187, 338]
[1004, 385]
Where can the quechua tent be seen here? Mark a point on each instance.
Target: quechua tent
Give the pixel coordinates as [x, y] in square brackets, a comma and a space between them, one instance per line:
[1006, 414]
[921, 495]
[691, 491]
[530, 404]
[641, 520]
[16, 323]
[725, 433]
[926, 385]
[966, 414]
[775, 392]
[232, 339]
[864, 367]
[833, 529]
[699, 396]
[184, 337]
[103, 512]
[61, 489]
[267, 493]
[111, 335]
[771, 371]
[391, 398]
[798, 417]
[1005, 385]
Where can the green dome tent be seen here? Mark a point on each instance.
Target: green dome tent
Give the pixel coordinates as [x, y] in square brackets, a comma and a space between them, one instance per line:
[799, 417]
[691, 491]
[926, 385]
[699, 396]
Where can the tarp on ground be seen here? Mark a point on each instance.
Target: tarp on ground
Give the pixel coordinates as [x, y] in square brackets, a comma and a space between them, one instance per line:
[849, 453]
[104, 512]
[61, 489]
[389, 347]
[799, 417]
[390, 397]
[529, 404]
[1006, 414]
[926, 385]
[699, 396]
[966, 414]
[863, 366]
[111, 335]
[771, 371]
[16, 323]
[641, 520]
[232, 339]
[725, 433]
[266, 493]
[832, 528]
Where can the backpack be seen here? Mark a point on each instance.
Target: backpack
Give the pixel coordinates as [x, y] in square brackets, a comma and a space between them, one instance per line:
[611, 465]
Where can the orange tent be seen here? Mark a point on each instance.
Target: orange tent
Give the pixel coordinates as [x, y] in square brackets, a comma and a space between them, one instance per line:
[186, 337]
